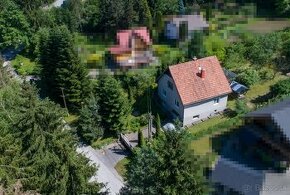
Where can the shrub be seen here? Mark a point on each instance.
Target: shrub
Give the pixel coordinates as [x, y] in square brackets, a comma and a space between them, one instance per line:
[248, 76]
[266, 73]
[214, 45]
[282, 88]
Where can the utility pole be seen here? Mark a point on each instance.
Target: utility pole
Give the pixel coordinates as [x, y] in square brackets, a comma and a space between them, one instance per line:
[64, 102]
[150, 117]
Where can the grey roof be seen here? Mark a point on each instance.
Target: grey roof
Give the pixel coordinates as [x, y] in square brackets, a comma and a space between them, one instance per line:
[229, 74]
[195, 22]
[279, 112]
[249, 181]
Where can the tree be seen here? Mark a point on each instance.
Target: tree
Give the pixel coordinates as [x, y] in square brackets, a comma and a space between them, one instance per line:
[181, 7]
[36, 147]
[61, 68]
[111, 16]
[215, 45]
[283, 6]
[91, 16]
[195, 46]
[280, 89]
[248, 76]
[145, 17]
[14, 27]
[54, 165]
[166, 166]
[158, 126]
[89, 122]
[114, 105]
[141, 141]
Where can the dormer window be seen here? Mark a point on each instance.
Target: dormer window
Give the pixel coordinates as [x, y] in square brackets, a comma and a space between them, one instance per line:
[170, 85]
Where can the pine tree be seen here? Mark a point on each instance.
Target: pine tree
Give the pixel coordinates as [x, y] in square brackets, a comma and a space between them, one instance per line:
[114, 104]
[145, 17]
[141, 141]
[61, 68]
[89, 127]
[50, 148]
[158, 125]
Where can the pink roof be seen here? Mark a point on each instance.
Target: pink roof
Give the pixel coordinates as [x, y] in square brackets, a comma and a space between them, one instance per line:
[123, 37]
[192, 88]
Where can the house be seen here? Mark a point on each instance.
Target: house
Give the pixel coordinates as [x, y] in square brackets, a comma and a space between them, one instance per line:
[195, 90]
[255, 159]
[133, 49]
[174, 25]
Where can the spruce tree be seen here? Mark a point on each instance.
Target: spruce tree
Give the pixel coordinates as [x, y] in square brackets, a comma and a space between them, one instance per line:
[145, 17]
[50, 147]
[61, 68]
[114, 104]
[89, 127]
[166, 166]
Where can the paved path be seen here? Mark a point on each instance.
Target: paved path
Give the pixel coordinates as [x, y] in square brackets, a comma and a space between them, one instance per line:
[107, 158]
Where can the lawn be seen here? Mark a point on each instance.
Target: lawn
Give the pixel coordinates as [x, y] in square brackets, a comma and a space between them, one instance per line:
[202, 126]
[121, 166]
[261, 89]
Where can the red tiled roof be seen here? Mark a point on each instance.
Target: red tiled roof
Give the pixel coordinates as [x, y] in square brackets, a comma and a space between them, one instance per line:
[123, 37]
[192, 88]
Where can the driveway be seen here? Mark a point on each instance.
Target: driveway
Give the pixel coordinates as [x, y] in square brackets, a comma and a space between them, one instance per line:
[107, 158]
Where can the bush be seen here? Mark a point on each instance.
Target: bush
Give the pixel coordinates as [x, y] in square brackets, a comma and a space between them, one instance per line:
[282, 88]
[214, 45]
[266, 73]
[248, 76]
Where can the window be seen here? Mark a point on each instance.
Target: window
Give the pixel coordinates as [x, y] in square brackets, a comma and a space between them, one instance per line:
[170, 85]
[195, 117]
[176, 103]
[216, 100]
[164, 92]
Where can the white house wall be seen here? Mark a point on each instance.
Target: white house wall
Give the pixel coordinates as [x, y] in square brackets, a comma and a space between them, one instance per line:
[203, 110]
[171, 96]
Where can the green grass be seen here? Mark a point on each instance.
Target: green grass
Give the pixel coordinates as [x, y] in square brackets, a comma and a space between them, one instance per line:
[25, 66]
[260, 89]
[98, 144]
[202, 126]
[121, 166]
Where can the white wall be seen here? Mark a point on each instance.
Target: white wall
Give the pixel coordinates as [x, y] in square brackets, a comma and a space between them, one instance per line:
[171, 95]
[203, 109]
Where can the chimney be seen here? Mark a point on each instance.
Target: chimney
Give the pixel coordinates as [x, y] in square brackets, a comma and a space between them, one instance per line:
[202, 73]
